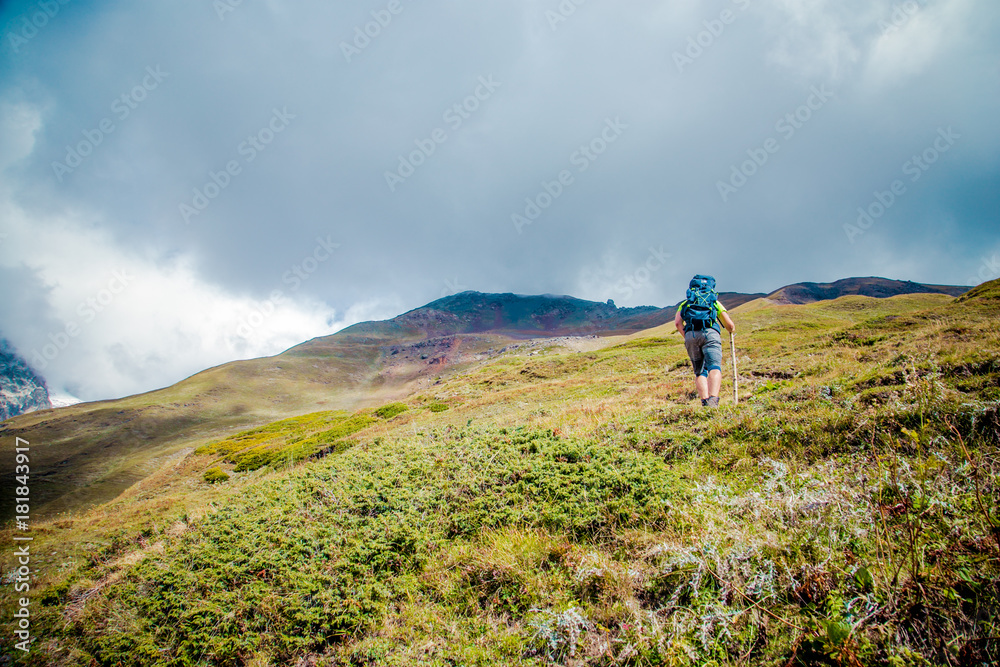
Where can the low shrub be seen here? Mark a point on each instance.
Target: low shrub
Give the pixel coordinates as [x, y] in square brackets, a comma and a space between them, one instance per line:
[391, 410]
[215, 475]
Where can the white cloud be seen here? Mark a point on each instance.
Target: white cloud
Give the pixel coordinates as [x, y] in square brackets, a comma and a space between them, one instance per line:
[18, 124]
[913, 35]
[816, 40]
[116, 322]
[119, 323]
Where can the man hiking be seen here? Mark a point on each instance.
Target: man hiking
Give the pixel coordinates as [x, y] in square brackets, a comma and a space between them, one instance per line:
[697, 319]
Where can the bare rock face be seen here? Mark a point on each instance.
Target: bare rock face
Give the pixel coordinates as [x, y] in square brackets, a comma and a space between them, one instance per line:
[21, 389]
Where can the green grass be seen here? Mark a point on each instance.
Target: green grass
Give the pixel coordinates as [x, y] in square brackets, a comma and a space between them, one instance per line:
[288, 440]
[581, 509]
[322, 555]
[391, 410]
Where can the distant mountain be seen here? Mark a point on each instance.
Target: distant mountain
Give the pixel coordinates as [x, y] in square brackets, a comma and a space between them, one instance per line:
[798, 293]
[515, 314]
[879, 288]
[21, 389]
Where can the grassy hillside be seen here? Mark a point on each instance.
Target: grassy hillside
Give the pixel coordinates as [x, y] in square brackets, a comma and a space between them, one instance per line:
[578, 509]
[89, 453]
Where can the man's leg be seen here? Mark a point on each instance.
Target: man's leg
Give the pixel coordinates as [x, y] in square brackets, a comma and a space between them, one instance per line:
[693, 340]
[713, 363]
[713, 382]
[701, 385]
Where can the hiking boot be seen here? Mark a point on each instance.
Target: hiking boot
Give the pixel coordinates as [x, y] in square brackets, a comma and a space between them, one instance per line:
[711, 402]
[704, 402]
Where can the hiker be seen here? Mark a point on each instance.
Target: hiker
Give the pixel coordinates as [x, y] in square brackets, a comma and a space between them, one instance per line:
[697, 319]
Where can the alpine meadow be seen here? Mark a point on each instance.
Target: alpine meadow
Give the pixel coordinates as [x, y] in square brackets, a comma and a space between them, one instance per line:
[548, 505]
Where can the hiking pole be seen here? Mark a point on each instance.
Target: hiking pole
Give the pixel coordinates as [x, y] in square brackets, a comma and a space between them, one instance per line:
[736, 382]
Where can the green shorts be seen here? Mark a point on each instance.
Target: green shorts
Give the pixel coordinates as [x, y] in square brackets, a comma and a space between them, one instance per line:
[704, 348]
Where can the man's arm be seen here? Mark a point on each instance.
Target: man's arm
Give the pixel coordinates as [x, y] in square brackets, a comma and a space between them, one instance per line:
[727, 322]
[678, 322]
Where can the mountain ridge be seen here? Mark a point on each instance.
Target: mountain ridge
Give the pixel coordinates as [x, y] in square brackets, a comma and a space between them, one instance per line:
[455, 313]
[808, 292]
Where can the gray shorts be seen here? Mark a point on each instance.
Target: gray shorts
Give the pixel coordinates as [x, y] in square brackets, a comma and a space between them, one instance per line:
[704, 348]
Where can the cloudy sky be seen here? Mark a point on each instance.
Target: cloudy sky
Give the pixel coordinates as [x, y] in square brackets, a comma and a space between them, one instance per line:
[184, 183]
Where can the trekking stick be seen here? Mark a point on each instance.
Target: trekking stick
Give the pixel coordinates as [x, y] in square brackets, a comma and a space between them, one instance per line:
[736, 382]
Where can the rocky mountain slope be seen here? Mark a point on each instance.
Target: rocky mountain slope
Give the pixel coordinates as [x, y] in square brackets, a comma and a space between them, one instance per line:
[532, 316]
[21, 389]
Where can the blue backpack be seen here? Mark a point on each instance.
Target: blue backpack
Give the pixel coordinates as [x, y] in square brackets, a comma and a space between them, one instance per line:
[699, 311]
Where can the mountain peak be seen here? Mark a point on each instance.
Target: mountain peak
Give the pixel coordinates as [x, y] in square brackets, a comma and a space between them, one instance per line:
[539, 315]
